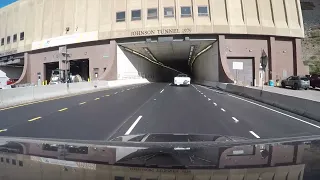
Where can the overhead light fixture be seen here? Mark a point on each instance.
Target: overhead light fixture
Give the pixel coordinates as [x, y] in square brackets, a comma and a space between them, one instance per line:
[192, 47]
[201, 52]
[150, 54]
[152, 61]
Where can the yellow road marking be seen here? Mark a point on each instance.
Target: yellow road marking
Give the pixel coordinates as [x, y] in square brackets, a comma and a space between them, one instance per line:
[96, 98]
[3, 130]
[63, 109]
[82, 103]
[34, 119]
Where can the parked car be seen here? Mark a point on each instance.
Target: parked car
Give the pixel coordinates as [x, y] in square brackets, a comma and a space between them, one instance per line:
[315, 81]
[182, 79]
[11, 81]
[296, 82]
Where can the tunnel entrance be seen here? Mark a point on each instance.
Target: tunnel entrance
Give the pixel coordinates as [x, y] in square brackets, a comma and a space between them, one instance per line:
[80, 67]
[48, 68]
[174, 52]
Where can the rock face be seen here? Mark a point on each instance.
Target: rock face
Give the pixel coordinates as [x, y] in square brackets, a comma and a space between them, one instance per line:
[311, 18]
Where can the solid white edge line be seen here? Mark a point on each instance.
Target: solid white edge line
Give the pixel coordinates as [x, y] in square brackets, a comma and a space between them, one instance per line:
[235, 119]
[133, 125]
[276, 111]
[162, 91]
[254, 134]
[223, 110]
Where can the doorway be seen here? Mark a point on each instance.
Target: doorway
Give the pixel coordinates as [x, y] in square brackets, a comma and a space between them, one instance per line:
[242, 70]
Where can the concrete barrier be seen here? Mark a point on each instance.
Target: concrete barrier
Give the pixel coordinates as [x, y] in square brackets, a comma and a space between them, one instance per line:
[300, 106]
[9, 97]
[21, 95]
[46, 92]
[218, 85]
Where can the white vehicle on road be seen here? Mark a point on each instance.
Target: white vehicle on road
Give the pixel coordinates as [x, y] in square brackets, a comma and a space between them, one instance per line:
[182, 79]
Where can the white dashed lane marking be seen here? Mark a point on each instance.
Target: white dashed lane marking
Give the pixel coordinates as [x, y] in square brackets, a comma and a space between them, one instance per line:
[133, 125]
[235, 119]
[223, 110]
[254, 134]
[209, 99]
[215, 104]
[162, 91]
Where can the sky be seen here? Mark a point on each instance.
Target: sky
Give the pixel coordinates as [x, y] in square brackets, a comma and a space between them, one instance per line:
[6, 2]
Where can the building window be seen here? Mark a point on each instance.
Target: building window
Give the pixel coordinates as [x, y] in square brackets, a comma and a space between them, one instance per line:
[15, 38]
[186, 11]
[203, 11]
[121, 16]
[14, 162]
[20, 163]
[152, 13]
[1, 159]
[8, 40]
[168, 12]
[135, 15]
[8, 160]
[2, 41]
[21, 36]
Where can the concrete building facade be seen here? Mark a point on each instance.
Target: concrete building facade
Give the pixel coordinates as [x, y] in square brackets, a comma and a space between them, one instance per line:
[232, 32]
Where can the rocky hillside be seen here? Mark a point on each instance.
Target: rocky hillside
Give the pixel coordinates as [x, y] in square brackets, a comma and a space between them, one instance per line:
[311, 17]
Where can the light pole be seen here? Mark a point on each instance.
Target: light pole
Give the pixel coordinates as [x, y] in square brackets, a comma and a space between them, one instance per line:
[264, 63]
[64, 51]
[66, 70]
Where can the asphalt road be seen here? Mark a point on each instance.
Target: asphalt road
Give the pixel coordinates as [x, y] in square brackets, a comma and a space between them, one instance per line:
[152, 108]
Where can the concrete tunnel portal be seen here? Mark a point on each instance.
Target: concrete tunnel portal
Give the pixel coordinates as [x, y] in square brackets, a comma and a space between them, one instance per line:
[176, 55]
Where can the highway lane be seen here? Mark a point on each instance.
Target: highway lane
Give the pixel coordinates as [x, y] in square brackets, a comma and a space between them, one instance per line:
[10, 117]
[153, 108]
[93, 120]
[269, 121]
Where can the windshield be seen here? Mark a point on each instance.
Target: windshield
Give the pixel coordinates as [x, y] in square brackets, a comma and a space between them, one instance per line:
[160, 89]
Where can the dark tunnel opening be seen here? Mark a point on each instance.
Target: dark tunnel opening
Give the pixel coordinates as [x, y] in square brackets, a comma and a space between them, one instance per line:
[169, 57]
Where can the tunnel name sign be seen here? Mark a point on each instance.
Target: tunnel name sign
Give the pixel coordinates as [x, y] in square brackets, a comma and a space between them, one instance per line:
[161, 32]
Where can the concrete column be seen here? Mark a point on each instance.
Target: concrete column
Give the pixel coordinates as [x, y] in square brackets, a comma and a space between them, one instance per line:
[272, 59]
[224, 70]
[298, 65]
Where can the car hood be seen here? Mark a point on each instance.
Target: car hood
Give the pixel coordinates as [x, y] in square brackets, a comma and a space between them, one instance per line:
[168, 150]
[163, 137]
